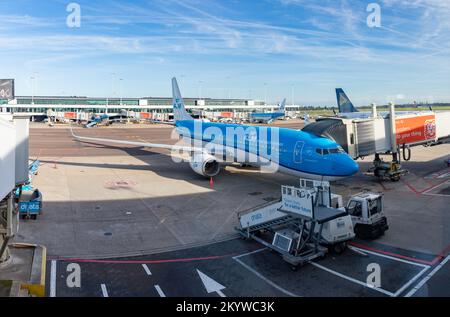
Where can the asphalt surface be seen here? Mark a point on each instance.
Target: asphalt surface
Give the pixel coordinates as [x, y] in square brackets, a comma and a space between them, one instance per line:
[109, 203]
[245, 269]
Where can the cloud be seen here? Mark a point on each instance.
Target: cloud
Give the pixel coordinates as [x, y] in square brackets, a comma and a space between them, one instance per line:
[330, 38]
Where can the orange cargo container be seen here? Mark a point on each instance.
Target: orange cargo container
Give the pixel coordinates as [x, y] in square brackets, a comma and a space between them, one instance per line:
[145, 115]
[416, 129]
[70, 115]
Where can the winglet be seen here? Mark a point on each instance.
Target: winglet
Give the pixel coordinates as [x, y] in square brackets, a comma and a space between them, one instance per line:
[344, 103]
[179, 111]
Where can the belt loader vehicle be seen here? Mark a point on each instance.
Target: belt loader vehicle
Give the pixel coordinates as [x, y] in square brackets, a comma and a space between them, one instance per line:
[309, 221]
[301, 226]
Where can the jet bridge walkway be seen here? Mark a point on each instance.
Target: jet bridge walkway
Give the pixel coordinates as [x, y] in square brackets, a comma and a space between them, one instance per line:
[387, 133]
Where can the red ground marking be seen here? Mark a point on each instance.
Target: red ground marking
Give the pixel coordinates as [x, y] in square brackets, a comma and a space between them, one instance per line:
[411, 188]
[382, 185]
[440, 256]
[396, 255]
[217, 257]
[424, 190]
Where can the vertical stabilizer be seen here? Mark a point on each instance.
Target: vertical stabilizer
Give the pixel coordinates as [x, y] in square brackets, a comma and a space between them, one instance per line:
[344, 103]
[282, 105]
[179, 111]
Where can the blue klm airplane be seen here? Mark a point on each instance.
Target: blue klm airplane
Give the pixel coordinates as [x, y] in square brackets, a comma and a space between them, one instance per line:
[269, 117]
[293, 152]
[348, 111]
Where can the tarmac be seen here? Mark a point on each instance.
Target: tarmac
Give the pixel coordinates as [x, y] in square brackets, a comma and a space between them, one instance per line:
[138, 206]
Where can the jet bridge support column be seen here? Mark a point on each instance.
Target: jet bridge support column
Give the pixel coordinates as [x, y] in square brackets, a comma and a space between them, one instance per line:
[7, 226]
[374, 110]
[394, 148]
[390, 170]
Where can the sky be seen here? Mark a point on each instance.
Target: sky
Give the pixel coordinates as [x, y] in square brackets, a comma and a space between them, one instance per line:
[259, 49]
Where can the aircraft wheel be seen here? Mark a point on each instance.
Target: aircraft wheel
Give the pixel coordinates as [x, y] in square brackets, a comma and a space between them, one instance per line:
[339, 248]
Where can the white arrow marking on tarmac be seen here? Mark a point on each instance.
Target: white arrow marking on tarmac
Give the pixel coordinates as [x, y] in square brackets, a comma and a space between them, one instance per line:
[211, 285]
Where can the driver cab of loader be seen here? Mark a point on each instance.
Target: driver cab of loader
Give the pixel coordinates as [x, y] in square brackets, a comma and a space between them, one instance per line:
[366, 210]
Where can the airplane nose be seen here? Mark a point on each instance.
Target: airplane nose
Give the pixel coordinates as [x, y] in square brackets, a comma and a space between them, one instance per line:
[352, 167]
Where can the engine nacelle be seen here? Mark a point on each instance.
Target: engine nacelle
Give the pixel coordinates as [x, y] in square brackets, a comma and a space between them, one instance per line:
[205, 165]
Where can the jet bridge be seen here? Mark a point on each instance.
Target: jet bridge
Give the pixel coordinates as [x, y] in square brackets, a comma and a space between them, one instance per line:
[22, 267]
[389, 133]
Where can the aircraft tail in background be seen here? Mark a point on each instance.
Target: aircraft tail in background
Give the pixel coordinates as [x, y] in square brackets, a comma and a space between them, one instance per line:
[179, 111]
[282, 105]
[344, 103]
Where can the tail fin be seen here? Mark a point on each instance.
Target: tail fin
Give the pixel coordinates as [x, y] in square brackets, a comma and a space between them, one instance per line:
[306, 119]
[344, 104]
[179, 111]
[282, 105]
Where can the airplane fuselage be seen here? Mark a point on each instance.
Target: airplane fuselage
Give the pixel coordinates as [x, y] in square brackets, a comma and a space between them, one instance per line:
[266, 116]
[294, 152]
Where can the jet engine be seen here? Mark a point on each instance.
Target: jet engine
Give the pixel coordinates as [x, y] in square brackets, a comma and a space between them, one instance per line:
[205, 164]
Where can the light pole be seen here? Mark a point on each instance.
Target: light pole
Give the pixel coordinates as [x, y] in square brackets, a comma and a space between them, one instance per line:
[32, 89]
[112, 88]
[200, 89]
[292, 95]
[33, 86]
[265, 94]
[120, 90]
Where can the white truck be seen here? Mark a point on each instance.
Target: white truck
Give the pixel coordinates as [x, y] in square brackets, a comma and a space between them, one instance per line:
[366, 210]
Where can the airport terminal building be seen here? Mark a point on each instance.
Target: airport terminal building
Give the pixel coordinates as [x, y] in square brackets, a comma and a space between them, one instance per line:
[41, 106]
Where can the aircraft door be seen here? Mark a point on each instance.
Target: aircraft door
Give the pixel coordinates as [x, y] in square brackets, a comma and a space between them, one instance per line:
[298, 151]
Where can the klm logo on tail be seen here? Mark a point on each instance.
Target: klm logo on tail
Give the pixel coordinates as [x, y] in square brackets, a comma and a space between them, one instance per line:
[179, 110]
[282, 106]
[177, 104]
[344, 103]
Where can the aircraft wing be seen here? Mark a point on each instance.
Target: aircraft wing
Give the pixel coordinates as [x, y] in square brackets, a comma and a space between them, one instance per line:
[143, 144]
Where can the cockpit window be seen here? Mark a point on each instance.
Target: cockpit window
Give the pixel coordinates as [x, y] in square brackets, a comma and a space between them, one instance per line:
[330, 151]
[336, 150]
